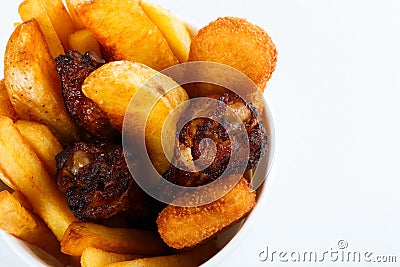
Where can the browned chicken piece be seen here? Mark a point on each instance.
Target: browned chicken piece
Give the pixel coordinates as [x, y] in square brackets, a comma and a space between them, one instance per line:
[73, 69]
[198, 129]
[182, 227]
[98, 185]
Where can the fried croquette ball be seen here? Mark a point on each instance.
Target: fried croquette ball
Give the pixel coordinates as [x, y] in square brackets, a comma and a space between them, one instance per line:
[239, 44]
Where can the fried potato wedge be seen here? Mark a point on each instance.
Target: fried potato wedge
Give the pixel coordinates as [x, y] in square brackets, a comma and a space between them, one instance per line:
[6, 108]
[30, 9]
[84, 41]
[112, 87]
[60, 20]
[42, 141]
[193, 258]
[237, 43]
[173, 29]
[75, 20]
[82, 235]
[182, 227]
[28, 175]
[125, 31]
[33, 84]
[94, 257]
[24, 224]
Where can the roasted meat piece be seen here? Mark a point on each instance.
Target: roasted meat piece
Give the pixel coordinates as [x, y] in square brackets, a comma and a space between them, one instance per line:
[73, 69]
[98, 185]
[198, 169]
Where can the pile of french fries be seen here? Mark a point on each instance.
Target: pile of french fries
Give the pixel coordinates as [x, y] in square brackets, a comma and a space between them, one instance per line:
[34, 126]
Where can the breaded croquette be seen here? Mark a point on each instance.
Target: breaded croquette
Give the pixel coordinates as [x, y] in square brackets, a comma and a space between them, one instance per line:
[182, 227]
[239, 44]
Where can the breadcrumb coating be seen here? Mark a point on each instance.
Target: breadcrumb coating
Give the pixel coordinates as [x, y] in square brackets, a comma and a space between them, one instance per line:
[182, 227]
[239, 44]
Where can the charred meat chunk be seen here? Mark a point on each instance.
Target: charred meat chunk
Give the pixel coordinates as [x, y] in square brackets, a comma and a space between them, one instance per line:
[197, 169]
[97, 183]
[73, 69]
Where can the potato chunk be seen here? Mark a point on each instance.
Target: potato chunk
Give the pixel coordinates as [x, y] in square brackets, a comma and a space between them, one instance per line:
[125, 31]
[174, 30]
[33, 84]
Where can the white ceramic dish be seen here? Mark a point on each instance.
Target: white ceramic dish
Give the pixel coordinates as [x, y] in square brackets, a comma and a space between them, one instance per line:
[227, 240]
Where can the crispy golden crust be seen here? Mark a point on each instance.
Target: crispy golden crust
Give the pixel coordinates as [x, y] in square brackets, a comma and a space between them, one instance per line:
[182, 227]
[239, 44]
[6, 108]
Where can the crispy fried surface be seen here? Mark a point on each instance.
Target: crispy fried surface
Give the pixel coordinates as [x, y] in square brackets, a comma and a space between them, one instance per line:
[6, 108]
[182, 227]
[239, 44]
[198, 129]
[98, 185]
[73, 69]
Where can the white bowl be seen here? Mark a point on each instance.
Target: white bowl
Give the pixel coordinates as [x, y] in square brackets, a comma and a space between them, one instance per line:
[227, 240]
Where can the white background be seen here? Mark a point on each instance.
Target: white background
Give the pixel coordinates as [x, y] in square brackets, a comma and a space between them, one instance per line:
[335, 100]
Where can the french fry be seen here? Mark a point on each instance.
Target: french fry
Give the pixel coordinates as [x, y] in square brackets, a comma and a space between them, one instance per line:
[21, 199]
[182, 227]
[30, 9]
[93, 257]
[22, 223]
[82, 235]
[192, 258]
[42, 141]
[77, 22]
[173, 29]
[33, 84]
[6, 108]
[84, 41]
[60, 20]
[125, 31]
[29, 176]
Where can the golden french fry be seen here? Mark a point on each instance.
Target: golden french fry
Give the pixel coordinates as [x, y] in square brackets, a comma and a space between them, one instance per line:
[112, 87]
[192, 258]
[60, 20]
[82, 235]
[30, 9]
[173, 29]
[22, 223]
[29, 176]
[182, 227]
[21, 199]
[33, 84]
[6, 108]
[42, 141]
[84, 41]
[125, 31]
[77, 22]
[94, 257]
